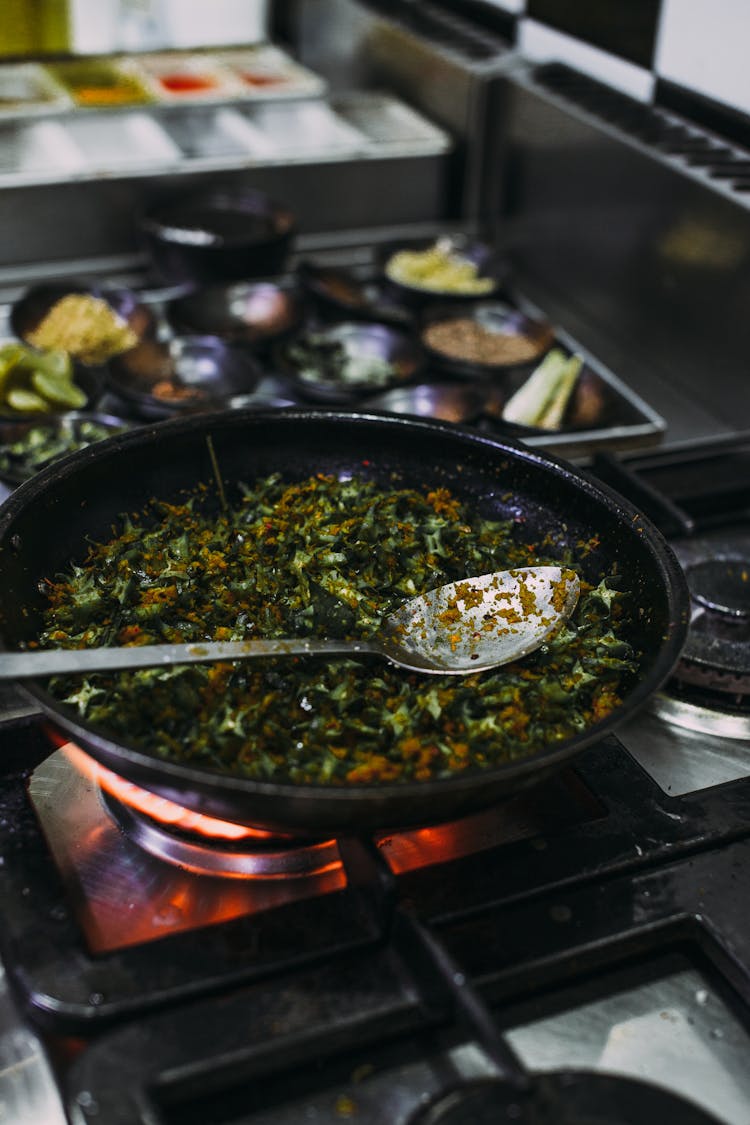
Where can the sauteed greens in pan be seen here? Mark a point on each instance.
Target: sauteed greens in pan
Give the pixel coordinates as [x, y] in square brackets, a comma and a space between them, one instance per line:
[323, 557]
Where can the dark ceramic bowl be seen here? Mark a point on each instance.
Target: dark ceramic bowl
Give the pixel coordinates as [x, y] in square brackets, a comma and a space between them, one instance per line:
[349, 360]
[28, 312]
[484, 339]
[187, 374]
[57, 435]
[218, 236]
[247, 312]
[448, 402]
[339, 294]
[491, 269]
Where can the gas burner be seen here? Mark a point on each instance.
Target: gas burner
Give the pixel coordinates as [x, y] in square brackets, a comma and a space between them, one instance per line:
[713, 674]
[702, 711]
[245, 854]
[197, 842]
[722, 585]
[565, 1098]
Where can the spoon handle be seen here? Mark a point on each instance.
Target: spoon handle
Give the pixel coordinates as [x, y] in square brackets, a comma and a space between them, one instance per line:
[59, 662]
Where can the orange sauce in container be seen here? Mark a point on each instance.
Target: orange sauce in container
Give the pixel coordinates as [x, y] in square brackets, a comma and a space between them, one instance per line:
[98, 84]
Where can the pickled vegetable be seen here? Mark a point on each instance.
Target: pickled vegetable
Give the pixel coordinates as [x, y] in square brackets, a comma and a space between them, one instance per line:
[542, 400]
[440, 269]
[36, 382]
[58, 390]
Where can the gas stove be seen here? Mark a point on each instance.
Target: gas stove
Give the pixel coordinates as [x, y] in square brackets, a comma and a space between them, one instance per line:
[578, 953]
[592, 928]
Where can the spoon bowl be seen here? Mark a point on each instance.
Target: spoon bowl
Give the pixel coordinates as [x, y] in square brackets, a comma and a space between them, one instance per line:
[480, 623]
[454, 630]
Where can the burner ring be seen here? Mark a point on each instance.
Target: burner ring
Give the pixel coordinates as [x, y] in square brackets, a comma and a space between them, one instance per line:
[274, 858]
[716, 656]
[722, 585]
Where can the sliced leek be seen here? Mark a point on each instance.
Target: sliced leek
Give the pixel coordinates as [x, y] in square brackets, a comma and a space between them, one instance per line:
[542, 399]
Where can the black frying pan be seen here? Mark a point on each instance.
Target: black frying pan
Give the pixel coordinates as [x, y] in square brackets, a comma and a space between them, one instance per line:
[45, 525]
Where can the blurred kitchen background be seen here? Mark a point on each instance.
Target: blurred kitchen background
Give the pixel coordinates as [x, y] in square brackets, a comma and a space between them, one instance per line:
[602, 147]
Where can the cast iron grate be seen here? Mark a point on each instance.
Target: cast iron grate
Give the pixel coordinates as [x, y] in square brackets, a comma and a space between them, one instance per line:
[686, 144]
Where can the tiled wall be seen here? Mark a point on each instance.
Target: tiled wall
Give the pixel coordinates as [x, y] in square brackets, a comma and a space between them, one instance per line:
[646, 48]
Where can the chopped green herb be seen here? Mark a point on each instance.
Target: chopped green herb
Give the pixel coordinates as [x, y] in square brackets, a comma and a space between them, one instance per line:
[42, 444]
[322, 557]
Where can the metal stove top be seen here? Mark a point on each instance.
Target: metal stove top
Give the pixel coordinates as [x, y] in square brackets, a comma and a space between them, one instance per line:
[594, 927]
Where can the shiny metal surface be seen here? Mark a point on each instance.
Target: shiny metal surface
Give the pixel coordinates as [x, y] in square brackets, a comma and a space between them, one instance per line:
[647, 265]
[481, 623]
[680, 759]
[14, 704]
[702, 720]
[121, 894]
[28, 1094]
[676, 1032]
[449, 402]
[262, 859]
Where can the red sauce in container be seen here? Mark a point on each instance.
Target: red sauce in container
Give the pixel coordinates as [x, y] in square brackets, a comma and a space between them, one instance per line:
[186, 83]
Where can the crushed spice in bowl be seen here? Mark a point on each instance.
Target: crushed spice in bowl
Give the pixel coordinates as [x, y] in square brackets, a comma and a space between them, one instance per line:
[490, 336]
[84, 326]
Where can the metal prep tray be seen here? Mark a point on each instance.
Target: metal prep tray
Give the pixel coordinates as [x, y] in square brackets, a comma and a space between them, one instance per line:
[125, 142]
[279, 76]
[147, 141]
[38, 151]
[389, 125]
[304, 130]
[216, 135]
[626, 422]
[620, 419]
[28, 89]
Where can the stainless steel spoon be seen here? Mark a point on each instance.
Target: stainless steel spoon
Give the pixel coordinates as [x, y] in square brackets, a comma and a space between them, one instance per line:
[466, 626]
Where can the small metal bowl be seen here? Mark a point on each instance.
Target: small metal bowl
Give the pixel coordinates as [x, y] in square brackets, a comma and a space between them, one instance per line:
[66, 433]
[30, 310]
[341, 295]
[250, 312]
[187, 374]
[312, 360]
[447, 402]
[491, 269]
[484, 339]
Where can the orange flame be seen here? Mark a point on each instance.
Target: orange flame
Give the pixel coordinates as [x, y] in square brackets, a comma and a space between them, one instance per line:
[156, 807]
[406, 850]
